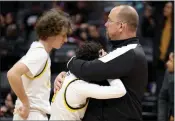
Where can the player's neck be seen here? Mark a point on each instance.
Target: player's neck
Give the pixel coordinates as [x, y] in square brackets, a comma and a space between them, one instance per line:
[46, 45]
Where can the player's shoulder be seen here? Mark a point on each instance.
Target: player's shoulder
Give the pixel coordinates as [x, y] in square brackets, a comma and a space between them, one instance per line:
[72, 78]
[37, 50]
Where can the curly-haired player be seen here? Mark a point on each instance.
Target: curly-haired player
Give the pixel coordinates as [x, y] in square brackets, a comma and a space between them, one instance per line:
[30, 76]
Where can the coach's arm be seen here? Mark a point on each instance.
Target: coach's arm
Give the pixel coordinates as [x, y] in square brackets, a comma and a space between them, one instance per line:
[107, 67]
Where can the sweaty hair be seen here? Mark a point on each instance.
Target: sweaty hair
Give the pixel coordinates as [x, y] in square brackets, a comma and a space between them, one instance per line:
[52, 23]
[88, 51]
[130, 16]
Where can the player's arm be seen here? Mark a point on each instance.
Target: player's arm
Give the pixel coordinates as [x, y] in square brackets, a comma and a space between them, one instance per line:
[14, 78]
[31, 63]
[116, 90]
[107, 67]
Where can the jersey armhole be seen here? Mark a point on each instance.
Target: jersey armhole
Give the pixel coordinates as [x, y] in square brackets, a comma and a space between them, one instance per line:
[70, 108]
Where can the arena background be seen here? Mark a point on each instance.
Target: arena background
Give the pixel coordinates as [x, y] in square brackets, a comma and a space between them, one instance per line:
[17, 21]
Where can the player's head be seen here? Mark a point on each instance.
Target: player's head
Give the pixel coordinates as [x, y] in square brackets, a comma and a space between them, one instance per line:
[122, 22]
[89, 51]
[53, 27]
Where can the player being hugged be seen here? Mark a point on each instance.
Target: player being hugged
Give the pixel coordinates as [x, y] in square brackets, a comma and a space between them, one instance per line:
[70, 102]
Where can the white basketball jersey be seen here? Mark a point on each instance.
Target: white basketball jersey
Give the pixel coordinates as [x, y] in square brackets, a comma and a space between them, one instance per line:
[37, 87]
[60, 109]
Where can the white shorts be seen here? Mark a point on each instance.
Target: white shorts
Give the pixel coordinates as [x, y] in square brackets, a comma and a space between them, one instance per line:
[33, 115]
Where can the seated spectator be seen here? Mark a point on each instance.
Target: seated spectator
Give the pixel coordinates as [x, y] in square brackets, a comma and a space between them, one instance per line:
[80, 34]
[2, 34]
[8, 108]
[31, 17]
[94, 35]
[2, 25]
[10, 38]
[9, 19]
[102, 28]
[10, 33]
[59, 5]
[83, 32]
[166, 96]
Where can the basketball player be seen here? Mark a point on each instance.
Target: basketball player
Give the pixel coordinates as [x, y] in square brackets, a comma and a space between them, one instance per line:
[72, 99]
[30, 76]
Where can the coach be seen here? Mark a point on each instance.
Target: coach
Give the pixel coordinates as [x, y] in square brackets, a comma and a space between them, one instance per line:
[126, 61]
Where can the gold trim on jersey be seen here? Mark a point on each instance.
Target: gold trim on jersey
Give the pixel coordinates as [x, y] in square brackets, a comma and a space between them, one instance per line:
[68, 107]
[54, 96]
[40, 74]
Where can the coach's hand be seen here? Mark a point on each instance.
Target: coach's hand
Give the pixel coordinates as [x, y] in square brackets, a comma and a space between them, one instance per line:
[24, 111]
[58, 81]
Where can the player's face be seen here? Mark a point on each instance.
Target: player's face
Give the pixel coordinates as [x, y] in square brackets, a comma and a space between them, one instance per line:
[59, 40]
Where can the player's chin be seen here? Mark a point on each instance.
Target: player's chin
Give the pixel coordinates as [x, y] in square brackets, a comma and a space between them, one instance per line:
[58, 46]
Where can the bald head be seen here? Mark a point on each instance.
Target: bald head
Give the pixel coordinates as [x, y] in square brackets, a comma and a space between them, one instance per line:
[127, 14]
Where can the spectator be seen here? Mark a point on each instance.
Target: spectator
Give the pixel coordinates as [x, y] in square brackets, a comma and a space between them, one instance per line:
[80, 33]
[10, 25]
[2, 25]
[83, 32]
[83, 35]
[59, 5]
[9, 19]
[164, 42]
[8, 108]
[82, 10]
[10, 34]
[2, 34]
[166, 96]
[11, 38]
[31, 17]
[94, 35]
[147, 25]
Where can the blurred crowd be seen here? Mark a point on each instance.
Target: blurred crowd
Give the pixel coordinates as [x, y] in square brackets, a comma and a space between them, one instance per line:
[17, 25]
[7, 107]
[18, 28]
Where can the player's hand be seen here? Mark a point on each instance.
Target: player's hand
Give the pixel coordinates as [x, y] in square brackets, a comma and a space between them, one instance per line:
[24, 111]
[58, 81]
